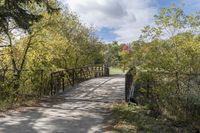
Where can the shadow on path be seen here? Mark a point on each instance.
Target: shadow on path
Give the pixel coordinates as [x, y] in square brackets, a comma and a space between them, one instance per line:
[81, 110]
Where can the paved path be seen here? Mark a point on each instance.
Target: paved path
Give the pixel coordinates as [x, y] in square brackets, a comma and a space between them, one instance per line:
[81, 110]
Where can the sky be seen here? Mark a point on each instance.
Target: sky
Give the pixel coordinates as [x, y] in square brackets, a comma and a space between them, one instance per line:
[122, 20]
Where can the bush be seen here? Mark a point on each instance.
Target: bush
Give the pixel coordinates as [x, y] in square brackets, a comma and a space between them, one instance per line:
[160, 91]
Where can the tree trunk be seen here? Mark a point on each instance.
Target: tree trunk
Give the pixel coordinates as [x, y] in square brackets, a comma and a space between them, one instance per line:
[16, 71]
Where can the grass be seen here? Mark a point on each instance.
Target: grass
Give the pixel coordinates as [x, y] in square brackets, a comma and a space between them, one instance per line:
[115, 71]
[139, 119]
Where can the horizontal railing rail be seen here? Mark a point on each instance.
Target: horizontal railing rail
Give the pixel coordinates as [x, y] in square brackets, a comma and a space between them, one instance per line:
[69, 77]
[185, 80]
[34, 83]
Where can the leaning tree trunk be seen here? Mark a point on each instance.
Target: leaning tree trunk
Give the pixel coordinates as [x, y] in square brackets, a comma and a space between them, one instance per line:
[17, 71]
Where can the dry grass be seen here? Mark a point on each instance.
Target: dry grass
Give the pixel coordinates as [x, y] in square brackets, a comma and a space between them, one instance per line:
[139, 119]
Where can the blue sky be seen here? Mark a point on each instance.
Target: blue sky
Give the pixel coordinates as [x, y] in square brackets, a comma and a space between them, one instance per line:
[122, 20]
[190, 6]
[106, 34]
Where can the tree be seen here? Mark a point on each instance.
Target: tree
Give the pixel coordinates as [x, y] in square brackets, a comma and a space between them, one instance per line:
[124, 60]
[58, 41]
[16, 15]
[22, 12]
[168, 55]
[112, 54]
[171, 23]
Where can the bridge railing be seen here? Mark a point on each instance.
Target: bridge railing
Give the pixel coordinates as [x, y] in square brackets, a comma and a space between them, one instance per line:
[151, 79]
[169, 91]
[37, 83]
[69, 77]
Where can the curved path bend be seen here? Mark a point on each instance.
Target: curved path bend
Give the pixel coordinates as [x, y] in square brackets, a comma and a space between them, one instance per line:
[81, 110]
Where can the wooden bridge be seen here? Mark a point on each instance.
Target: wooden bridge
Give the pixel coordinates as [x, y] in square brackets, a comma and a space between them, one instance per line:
[83, 108]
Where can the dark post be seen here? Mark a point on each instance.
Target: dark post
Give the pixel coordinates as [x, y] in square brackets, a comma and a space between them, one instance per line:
[73, 77]
[128, 83]
[126, 86]
[106, 70]
[51, 91]
[102, 71]
[95, 72]
[63, 82]
[41, 82]
[99, 75]
[58, 84]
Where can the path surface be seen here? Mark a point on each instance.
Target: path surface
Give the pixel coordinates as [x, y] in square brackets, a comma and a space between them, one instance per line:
[81, 110]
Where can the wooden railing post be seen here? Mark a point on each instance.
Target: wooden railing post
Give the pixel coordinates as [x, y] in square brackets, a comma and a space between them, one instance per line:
[51, 91]
[63, 82]
[41, 82]
[106, 70]
[126, 86]
[73, 77]
[128, 83]
[95, 72]
[98, 71]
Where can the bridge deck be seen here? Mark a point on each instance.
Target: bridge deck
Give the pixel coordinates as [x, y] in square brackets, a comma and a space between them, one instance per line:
[81, 110]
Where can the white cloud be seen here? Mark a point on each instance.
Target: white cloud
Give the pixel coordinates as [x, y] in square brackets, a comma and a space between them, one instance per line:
[125, 17]
[193, 3]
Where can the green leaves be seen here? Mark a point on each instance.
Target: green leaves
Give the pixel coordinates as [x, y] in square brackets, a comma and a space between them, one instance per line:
[57, 41]
[170, 52]
[175, 53]
[22, 13]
